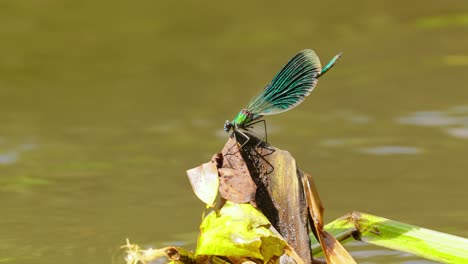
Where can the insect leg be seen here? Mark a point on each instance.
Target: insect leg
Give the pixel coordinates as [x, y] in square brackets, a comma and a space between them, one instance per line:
[254, 148]
[264, 127]
[247, 139]
[235, 138]
[245, 136]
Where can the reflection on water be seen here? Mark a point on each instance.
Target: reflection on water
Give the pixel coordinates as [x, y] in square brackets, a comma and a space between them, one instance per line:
[458, 132]
[389, 150]
[104, 105]
[444, 21]
[352, 117]
[454, 121]
[456, 60]
[343, 142]
[8, 158]
[363, 253]
[11, 156]
[432, 118]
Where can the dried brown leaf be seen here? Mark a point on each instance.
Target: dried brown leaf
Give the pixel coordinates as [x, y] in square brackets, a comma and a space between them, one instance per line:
[334, 252]
[235, 186]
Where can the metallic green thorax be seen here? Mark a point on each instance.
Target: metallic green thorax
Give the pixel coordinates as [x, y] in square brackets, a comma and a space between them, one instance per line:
[244, 117]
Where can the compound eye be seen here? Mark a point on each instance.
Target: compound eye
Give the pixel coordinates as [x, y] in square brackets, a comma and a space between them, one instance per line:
[227, 126]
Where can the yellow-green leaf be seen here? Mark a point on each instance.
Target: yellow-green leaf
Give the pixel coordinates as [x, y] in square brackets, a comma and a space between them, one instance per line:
[239, 230]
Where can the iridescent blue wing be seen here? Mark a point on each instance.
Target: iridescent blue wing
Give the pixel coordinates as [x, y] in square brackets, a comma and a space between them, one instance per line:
[290, 85]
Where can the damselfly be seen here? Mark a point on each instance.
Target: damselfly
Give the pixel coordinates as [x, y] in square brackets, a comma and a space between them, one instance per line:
[287, 90]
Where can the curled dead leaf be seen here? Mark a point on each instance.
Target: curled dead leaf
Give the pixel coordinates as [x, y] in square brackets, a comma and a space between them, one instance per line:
[205, 181]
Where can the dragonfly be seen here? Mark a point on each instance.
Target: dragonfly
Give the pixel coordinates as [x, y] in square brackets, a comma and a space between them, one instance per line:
[287, 90]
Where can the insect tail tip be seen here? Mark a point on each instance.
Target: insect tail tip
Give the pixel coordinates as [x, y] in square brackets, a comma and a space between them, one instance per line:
[337, 56]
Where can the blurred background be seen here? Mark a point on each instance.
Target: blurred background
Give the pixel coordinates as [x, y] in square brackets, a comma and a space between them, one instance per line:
[105, 104]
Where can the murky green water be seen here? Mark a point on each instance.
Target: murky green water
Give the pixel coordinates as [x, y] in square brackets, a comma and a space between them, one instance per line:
[104, 105]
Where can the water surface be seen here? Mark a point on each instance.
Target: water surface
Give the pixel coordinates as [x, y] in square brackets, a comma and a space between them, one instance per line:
[104, 105]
